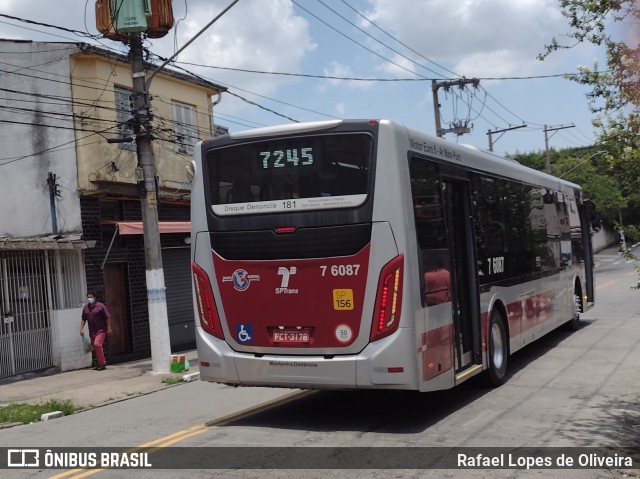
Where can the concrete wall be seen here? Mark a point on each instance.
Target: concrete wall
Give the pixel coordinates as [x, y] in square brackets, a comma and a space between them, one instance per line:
[101, 162]
[37, 137]
[603, 239]
[66, 342]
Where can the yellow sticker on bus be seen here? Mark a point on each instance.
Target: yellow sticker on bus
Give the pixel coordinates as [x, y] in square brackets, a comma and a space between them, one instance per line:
[343, 299]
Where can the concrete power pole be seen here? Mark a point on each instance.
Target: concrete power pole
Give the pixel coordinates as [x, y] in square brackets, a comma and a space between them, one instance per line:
[547, 129]
[490, 134]
[156, 291]
[116, 20]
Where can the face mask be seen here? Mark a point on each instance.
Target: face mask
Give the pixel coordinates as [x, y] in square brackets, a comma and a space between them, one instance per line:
[91, 300]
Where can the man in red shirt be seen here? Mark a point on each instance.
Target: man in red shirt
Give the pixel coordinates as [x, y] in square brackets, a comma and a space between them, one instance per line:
[97, 315]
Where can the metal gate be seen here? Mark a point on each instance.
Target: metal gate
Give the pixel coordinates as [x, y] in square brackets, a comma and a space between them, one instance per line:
[32, 284]
[177, 268]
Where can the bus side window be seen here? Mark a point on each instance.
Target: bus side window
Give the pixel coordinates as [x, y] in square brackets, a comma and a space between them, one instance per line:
[431, 233]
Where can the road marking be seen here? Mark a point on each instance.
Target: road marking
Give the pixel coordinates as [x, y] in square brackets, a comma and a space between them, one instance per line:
[171, 439]
[607, 284]
[614, 281]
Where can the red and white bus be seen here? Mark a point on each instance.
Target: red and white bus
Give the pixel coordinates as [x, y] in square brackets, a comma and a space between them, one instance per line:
[365, 254]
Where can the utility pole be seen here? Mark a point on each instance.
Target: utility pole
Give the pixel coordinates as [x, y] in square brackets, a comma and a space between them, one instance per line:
[129, 18]
[547, 129]
[156, 291]
[458, 128]
[436, 107]
[503, 131]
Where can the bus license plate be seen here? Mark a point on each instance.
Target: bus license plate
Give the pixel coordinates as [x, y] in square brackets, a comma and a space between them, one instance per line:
[291, 336]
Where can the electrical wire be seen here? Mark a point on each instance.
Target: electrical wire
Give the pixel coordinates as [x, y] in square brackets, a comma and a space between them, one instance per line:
[375, 39]
[354, 41]
[400, 42]
[32, 22]
[468, 101]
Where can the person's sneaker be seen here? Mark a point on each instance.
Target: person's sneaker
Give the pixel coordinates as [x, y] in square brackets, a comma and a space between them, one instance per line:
[100, 368]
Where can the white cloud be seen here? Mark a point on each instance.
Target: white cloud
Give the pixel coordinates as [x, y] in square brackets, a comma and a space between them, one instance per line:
[340, 109]
[253, 35]
[340, 70]
[479, 37]
[475, 38]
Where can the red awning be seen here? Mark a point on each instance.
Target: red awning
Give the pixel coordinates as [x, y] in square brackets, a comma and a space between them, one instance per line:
[135, 227]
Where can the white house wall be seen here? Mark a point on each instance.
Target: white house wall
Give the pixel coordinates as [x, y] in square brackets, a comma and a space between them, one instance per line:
[36, 91]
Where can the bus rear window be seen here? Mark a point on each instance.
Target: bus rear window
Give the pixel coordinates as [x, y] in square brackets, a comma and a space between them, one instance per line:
[301, 173]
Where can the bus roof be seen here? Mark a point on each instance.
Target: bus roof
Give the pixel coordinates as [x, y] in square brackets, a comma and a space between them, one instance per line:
[467, 155]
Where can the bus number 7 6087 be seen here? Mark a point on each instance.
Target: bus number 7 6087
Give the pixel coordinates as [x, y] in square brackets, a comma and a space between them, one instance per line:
[341, 270]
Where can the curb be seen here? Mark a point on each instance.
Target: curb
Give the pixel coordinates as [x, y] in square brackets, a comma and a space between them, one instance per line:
[51, 415]
[10, 424]
[187, 378]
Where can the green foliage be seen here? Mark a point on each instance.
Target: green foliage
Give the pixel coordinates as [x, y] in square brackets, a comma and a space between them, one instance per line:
[588, 167]
[615, 91]
[171, 380]
[27, 413]
[611, 179]
[632, 233]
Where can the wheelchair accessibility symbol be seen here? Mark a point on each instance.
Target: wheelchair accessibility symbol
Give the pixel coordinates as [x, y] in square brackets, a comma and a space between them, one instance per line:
[244, 333]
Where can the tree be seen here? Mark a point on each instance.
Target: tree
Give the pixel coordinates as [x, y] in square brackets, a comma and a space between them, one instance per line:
[614, 98]
[615, 92]
[587, 167]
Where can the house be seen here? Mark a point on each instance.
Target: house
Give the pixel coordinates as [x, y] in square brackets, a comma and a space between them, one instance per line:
[70, 206]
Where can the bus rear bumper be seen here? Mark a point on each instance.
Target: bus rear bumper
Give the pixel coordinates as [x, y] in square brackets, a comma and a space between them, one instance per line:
[387, 363]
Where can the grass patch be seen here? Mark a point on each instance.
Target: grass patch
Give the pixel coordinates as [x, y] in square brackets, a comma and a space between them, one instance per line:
[172, 380]
[27, 413]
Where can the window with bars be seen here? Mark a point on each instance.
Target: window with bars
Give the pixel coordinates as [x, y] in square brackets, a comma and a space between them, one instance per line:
[123, 115]
[184, 127]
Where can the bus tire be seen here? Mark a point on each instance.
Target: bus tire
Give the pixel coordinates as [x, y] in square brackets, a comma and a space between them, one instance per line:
[574, 323]
[498, 350]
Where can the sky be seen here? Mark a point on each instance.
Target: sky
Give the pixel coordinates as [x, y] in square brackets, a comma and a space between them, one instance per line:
[309, 60]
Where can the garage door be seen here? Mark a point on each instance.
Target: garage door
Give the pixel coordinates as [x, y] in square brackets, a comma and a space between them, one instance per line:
[176, 263]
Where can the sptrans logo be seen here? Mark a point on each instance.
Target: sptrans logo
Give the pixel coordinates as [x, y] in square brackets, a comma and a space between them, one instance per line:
[241, 279]
[286, 274]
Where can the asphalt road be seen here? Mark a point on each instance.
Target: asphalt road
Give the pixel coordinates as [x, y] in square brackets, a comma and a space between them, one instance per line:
[577, 389]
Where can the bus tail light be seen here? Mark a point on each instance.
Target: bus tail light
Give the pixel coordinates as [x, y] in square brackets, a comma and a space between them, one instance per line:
[206, 305]
[386, 316]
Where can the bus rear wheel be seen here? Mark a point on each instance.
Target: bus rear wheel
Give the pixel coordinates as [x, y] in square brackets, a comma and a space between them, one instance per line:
[498, 350]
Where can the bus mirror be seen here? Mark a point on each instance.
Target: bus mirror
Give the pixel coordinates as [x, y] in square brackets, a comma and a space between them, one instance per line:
[596, 222]
[594, 216]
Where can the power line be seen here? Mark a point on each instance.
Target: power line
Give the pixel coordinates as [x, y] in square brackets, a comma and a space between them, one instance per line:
[32, 22]
[307, 75]
[479, 113]
[375, 39]
[397, 40]
[263, 107]
[352, 40]
[13, 160]
[460, 98]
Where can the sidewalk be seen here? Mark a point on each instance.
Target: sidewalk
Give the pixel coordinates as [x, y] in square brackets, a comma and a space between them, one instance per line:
[89, 388]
